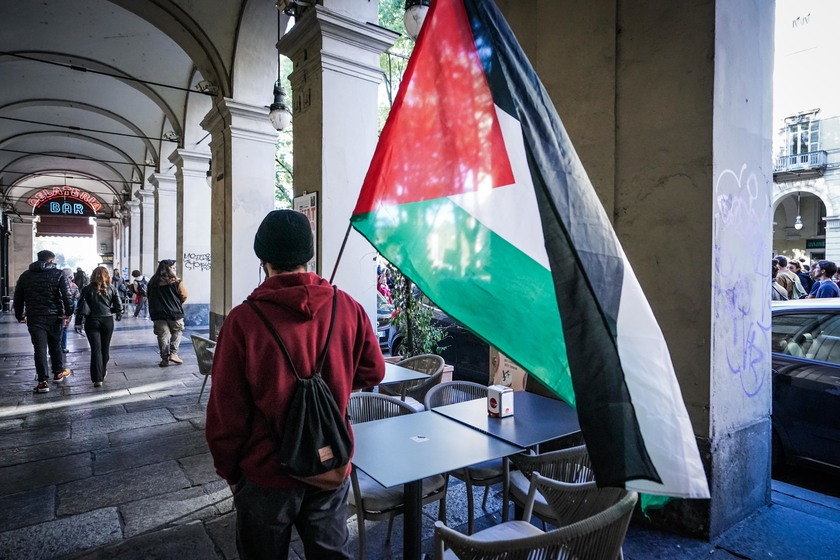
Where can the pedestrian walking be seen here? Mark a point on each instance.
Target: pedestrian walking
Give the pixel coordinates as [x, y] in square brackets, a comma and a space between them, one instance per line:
[253, 383]
[167, 295]
[74, 291]
[43, 302]
[99, 302]
[141, 286]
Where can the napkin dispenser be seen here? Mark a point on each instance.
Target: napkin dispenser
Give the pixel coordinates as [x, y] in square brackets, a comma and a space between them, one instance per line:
[499, 401]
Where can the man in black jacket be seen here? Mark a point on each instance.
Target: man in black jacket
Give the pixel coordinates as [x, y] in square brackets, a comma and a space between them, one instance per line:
[43, 302]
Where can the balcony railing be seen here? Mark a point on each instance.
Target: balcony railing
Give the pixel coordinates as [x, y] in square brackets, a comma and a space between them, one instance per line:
[810, 162]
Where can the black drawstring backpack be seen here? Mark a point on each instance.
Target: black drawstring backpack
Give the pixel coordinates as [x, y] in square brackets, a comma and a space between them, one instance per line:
[315, 446]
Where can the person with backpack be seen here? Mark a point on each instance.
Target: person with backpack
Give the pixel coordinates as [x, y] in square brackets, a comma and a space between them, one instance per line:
[255, 384]
[141, 286]
[43, 303]
[167, 294]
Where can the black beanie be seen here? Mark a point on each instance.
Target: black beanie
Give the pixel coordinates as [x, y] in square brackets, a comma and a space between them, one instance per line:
[284, 239]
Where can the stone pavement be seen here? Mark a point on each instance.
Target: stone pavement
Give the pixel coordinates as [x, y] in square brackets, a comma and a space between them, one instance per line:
[123, 472]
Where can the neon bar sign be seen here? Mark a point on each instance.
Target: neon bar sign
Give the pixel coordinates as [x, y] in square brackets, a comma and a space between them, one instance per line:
[73, 201]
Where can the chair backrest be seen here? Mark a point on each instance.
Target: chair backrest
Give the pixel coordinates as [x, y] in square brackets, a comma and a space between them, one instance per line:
[453, 392]
[205, 357]
[570, 502]
[366, 407]
[430, 364]
[567, 465]
[595, 538]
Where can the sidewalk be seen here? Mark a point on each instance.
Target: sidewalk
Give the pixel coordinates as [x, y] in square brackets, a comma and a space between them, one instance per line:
[123, 472]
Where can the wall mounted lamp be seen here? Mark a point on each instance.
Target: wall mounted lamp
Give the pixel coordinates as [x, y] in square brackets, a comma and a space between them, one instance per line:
[278, 112]
[415, 15]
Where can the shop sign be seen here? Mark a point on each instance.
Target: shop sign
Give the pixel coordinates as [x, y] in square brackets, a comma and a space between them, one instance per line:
[64, 201]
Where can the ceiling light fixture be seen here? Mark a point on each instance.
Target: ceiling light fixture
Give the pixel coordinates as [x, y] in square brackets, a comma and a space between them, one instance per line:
[798, 223]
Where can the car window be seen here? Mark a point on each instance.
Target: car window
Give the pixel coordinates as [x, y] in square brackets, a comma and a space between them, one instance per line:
[813, 335]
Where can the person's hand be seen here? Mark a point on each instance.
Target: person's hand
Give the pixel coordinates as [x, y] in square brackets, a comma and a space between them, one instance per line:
[66, 322]
[78, 329]
[119, 317]
[22, 321]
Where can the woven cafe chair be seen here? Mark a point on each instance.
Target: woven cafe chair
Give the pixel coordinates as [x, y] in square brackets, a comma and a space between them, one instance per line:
[566, 465]
[596, 537]
[430, 364]
[486, 473]
[205, 358]
[370, 500]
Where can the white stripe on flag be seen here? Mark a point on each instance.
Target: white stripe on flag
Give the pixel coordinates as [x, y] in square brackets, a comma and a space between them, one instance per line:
[511, 212]
[656, 397]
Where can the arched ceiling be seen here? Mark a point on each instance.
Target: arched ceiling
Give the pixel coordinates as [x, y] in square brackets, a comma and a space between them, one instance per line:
[84, 100]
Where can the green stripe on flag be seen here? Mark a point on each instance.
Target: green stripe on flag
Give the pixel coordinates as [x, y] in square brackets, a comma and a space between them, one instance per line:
[477, 278]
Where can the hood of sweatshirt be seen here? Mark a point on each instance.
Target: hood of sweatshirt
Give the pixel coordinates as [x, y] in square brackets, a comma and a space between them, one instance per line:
[41, 266]
[303, 294]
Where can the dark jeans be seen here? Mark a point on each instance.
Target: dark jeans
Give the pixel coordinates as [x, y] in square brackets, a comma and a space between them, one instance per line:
[99, 331]
[265, 516]
[141, 305]
[45, 332]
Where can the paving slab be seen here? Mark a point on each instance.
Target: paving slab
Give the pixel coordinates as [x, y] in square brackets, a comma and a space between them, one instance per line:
[780, 532]
[199, 468]
[120, 487]
[27, 508]
[32, 436]
[142, 453]
[174, 508]
[52, 449]
[150, 433]
[186, 542]
[62, 537]
[38, 474]
[116, 423]
[222, 530]
[52, 417]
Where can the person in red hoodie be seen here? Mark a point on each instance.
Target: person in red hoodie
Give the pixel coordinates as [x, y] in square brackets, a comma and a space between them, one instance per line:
[253, 384]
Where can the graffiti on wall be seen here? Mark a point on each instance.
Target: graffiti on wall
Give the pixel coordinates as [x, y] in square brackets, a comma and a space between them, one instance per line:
[197, 261]
[741, 268]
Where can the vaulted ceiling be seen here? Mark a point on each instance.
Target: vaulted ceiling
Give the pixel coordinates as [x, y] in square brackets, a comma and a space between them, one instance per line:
[95, 94]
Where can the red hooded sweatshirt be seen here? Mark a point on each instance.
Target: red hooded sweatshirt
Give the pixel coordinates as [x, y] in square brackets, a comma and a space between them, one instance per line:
[252, 380]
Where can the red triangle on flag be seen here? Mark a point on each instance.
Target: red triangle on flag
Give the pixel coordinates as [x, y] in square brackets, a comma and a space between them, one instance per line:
[442, 137]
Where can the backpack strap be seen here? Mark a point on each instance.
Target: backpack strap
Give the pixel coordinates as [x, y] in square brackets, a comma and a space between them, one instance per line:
[273, 331]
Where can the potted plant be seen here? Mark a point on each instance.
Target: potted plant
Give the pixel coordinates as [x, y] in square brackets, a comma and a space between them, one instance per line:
[414, 319]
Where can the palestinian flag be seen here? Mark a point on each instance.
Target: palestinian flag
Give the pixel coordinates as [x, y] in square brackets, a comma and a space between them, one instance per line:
[476, 193]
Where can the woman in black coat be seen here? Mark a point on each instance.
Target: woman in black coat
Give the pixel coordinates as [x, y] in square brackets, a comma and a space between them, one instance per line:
[99, 301]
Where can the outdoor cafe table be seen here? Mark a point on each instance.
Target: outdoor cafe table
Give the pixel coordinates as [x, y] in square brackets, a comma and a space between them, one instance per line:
[400, 374]
[536, 419]
[406, 449]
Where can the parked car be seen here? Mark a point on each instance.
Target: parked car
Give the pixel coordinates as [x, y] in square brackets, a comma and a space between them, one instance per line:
[460, 348]
[384, 312]
[806, 381]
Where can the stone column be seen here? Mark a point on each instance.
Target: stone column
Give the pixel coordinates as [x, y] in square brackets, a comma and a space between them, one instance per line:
[832, 238]
[147, 232]
[116, 242]
[166, 216]
[334, 91]
[242, 146]
[134, 228]
[23, 242]
[194, 232]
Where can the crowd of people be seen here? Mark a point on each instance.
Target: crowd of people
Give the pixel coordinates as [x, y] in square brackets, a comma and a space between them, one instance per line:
[798, 280]
[46, 298]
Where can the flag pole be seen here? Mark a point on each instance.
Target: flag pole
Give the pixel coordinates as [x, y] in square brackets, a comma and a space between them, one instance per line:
[340, 252]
